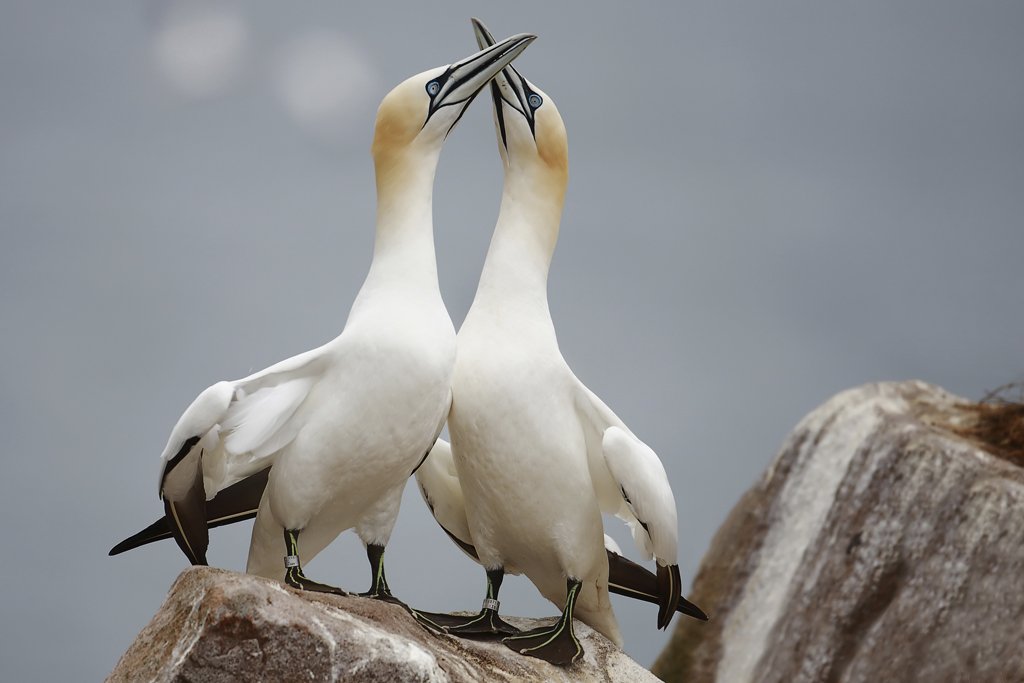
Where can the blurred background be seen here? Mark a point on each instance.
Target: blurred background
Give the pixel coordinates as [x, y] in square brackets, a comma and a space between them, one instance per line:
[769, 203]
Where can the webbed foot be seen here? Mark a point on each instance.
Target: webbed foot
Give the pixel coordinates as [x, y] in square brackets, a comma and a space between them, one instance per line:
[293, 575]
[379, 589]
[486, 624]
[556, 644]
[296, 579]
[384, 595]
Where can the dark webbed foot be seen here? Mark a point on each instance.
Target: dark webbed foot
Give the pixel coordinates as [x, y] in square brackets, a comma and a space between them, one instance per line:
[296, 579]
[293, 575]
[384, 596]
[555, 644]
[486, 624]
[379, 589]
[426, 620]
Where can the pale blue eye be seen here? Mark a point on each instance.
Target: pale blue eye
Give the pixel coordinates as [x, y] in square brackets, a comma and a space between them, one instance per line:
[535, 100]
[433, 88]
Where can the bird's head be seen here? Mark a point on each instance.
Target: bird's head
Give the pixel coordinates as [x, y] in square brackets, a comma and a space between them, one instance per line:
[419, 113]
[529, 128]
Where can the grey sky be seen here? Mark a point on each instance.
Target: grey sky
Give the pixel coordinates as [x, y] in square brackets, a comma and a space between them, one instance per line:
[769, 202]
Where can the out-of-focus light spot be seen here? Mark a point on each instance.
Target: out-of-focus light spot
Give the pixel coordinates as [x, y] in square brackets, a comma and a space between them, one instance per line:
[324, 81]
[199, 46]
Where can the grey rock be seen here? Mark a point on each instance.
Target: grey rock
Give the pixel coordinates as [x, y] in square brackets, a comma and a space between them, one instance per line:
[882, 544]
[217, 625]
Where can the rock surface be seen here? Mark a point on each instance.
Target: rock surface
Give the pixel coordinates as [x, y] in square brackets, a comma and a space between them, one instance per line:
[218, 626]
[880, 545]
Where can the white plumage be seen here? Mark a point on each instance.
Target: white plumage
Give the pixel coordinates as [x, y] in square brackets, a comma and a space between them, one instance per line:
[439, 485]
[538, 456]
[344, 425]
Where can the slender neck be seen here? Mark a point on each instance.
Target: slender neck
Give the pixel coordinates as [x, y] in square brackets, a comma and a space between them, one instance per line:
[403, 249]
[524, 238]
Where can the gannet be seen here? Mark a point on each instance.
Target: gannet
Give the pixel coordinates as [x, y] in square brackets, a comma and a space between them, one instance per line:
[439, 485]
[342, 426]
[539, 456]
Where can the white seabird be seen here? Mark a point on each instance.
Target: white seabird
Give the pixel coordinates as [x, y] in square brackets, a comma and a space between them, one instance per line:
[538, 456]
[439, 485]
[343, 425]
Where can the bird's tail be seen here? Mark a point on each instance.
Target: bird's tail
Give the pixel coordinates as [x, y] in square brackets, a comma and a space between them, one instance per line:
[630, 579]
[236, 503]
[157, 531]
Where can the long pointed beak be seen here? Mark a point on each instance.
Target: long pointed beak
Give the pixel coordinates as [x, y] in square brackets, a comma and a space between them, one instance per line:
[510, 80]
[464, 79]
[485, 39]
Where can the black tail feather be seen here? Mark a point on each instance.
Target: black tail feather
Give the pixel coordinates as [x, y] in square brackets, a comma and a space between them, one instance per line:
[669, 592]
[632, 580]
[628, 578]
[236, 503]
[157, 531]
[691, 610]
[186, 518]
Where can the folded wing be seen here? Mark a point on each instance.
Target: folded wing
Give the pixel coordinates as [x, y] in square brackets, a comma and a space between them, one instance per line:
[442, 492]
[631, 483]
[231, 431]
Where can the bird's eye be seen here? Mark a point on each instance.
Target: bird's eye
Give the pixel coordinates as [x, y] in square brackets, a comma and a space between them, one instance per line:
[535, 100]
[433, 88]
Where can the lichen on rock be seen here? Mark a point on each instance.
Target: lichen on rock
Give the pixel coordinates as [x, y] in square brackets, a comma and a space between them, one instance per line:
[884, 543]
[217, 625]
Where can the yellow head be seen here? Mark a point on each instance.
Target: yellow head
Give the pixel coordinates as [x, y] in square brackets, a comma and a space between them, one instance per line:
[418, 114]
[531, 134]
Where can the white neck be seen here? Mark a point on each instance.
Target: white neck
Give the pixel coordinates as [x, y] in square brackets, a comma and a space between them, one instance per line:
[403, 250]
[517, 263]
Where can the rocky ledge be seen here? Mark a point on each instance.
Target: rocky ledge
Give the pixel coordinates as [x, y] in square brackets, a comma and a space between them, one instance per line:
[221, 626]
[884, 543]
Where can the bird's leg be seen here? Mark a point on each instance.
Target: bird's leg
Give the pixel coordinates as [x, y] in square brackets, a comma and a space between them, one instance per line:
[485, 624]
[556, 644]
[379, 584]
[293, 575]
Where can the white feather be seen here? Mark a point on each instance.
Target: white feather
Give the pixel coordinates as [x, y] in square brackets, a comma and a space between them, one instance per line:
[242, 424]
[205, 412]
[611, 546]
[345, 424]
[641, 476]
[619, 462]
[439, 485]
[253, 421]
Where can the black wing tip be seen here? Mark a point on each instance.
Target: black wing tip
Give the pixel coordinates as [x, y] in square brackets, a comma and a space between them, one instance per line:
[186, 518]
[156, 531]
[237, 503]
[632, 580]
[467, 548]
[669, 593]
[691, 610]
[124, 546]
